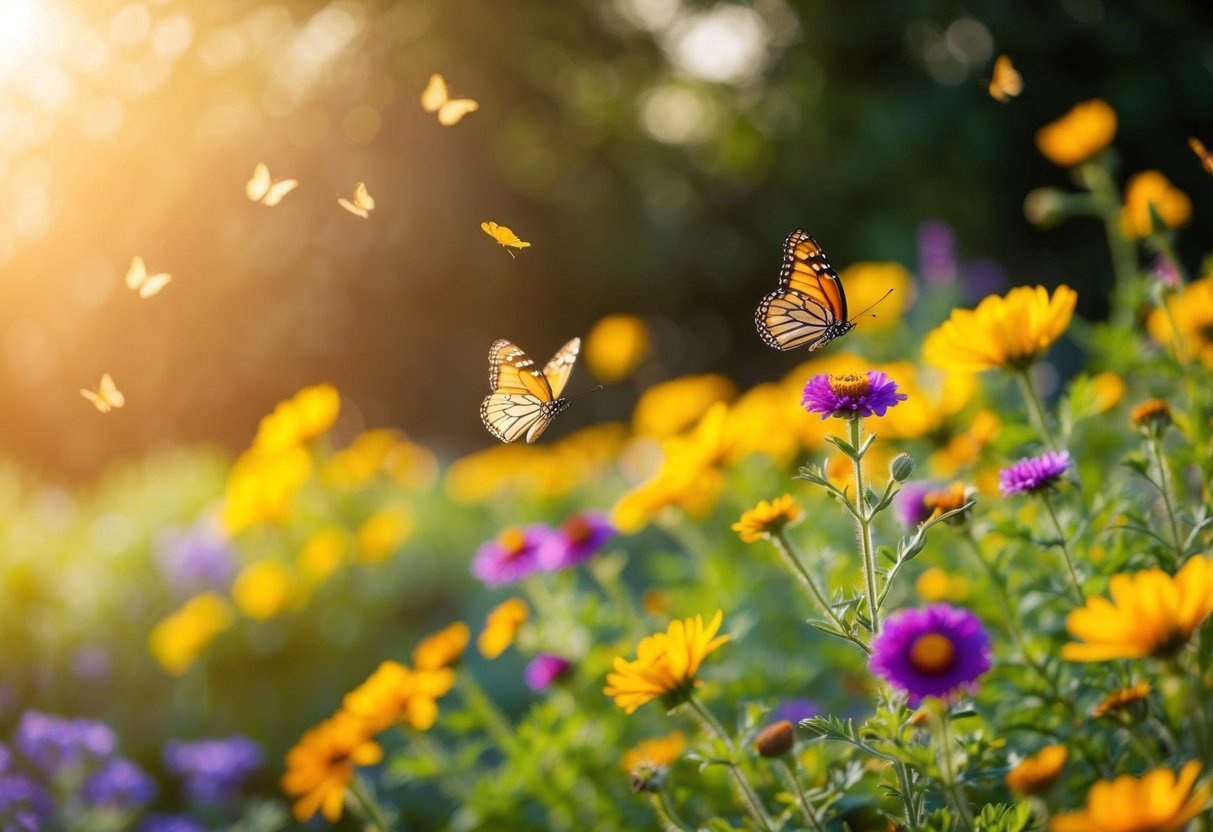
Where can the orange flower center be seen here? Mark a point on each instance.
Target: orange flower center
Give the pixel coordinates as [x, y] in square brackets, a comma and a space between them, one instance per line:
[576, 530]
[852, 385]
[513, 541]
[941, 502]
[932, 653]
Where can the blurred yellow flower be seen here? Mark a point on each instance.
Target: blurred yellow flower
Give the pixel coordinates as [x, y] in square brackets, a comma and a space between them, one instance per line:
[1158, 802]
[657, 753]
[1085, 130]
[304, 416]
[1152, 188]
[1192, 311]
[1109, 390]
[263, 589]
[671, 407]
[442, 649]
[616, 346]
[767, 518]
[933, 400]
[395, 694]
[1122, 699]
[1151, 614]
[501, 627]
[411, 465]
[261, 488]
[361, 460]
[322, 553]
[965, 448]
[1150, 415]
[176, 640]
[1038, 773]
[666, 664]
[767, 420]
[382, 533]
[935, 585]
[320, 766]
[867, 282]
[1009, 331]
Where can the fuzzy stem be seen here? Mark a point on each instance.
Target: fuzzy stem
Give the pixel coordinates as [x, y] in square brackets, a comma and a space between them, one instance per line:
[907, 793]
[1075, 584]
[748, 795]
[1099, 181]
[863, 523]
[794, 562]
[495, 722]
[666, 816]
[374, 813]
[793, 783]
[1168, 495]
[937, 717]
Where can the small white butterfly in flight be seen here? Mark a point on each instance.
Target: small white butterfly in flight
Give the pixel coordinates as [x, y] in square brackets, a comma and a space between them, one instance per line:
[361, 205]
[436, 99]
[261, 188]
[107, 396]
[147, 285]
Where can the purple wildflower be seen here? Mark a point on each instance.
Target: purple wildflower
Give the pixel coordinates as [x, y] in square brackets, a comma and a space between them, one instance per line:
[910, 503]
[1163, 271]
[545, 669]
[171, 823]
[935, 651]
[851, 395]
[511, 556]
[213, 769]
[936, 252]
[577, 539]
[24, 805]
[119, 783]
[982, 276]
[795, 710]
[1033, 474]
[52, 743]
[198, 559]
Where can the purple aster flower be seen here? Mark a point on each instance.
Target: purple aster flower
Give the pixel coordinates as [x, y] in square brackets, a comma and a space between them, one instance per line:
[511, 556]
[1033, 474]
[171, 823]
[936, 651]
[545, 669]
[119, 783]
[197, 559]
[851, 395]
[52, 743]
[215, 769]
[910, 503]
[24, 805]
[795, 710]
[936, 252]
[577, 539]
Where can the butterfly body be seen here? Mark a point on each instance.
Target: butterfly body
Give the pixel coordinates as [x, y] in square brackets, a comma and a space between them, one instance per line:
[810, 307]
[525, 399]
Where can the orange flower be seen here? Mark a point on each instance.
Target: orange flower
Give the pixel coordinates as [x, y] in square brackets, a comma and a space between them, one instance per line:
[501, 627]
[321, 765]
[393, 693]
[442, 649]
[1158, 802]
[1152, 188]
[1038, 773]
[1078, 135]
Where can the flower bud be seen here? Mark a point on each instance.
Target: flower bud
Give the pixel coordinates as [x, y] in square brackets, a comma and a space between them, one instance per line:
[776, 739]
[901, 467]
[1152, 416]
[1044, 207]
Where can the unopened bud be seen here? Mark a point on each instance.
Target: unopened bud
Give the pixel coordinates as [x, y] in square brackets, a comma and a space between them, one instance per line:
[776, 739]
[901, 467]
[1044, 207]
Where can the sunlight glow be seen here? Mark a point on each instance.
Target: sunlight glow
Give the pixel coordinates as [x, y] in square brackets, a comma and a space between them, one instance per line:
[23, 23]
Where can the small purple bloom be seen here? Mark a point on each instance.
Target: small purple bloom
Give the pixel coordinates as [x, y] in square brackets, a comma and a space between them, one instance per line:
[215, 769]
[935, 651]
[795, 710]
[851, 395]
[1163, 270]
[90, 663]
[171, 823]
[24, 805]
[511, 556]
[1033, 474]
[910, 505]
[577, 539]
[982, 276]
[198, 559]
[52, 743]
[119, 783]
[545, 669]
[936, 252]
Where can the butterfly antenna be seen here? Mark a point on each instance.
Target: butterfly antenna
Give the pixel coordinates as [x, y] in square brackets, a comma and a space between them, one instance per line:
[583, 392]
[871, 306]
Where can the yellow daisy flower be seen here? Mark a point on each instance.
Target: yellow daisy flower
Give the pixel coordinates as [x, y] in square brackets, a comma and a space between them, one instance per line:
[1085, 130]
[1192, 311]
[501, 627]
[304, 416]
[671, 407]
[321, 765]
[1152, 188]
[1037, 774]
[1122, 699]
[263, 589]
[442, 649]
[655, 753]
[1151, 614]
[178, 639]
[1009, 331]
[665, 664]
[394, 693]
[766, 518]
[1158, 802]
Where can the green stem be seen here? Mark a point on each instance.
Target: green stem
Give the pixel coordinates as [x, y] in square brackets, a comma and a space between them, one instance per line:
[746, 791]
[495, 722]
[666, 816]
[374, 813]
[1099, 181]
[1075, 584]
[907, 793]
[1199, 424]
[793, 783]
[1196, 704]
[1036, 410]
[864, 527]
[1165, 486]
[792, 559]
[938, 718]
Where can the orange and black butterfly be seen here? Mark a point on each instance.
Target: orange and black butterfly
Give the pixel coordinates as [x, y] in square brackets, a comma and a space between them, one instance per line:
[525, 399]
[810, 305]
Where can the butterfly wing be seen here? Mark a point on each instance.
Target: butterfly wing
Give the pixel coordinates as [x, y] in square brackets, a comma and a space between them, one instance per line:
[279, 190]
[513, 371]
[452, 112]
[153, 284]
[787, 319]
[356, 210]
[362, 197]
[136, 274]
[110, 392]
[1007, 82]
[509, 416]
[259, 184]
[807, 270]
[558, 370]
[1206, 159]
[435, 94]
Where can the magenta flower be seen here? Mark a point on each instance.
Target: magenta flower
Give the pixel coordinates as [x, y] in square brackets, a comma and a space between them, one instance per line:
[511, 556]
[851, 395]
[577, 539]
[545, 669]
[910, 503]
[1033, 474]
[937, 651]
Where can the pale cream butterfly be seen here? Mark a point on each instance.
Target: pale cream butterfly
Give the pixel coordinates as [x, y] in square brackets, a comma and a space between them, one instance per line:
[436, 99]
[107, 396]
[147, 285]
[261, 188]
[362, 204]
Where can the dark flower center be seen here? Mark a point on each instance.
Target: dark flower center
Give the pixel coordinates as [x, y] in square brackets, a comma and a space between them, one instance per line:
[577, 530]
[932, 653]
[513, 542]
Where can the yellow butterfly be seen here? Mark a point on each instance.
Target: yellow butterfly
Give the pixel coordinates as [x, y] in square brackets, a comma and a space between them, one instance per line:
[436, 99]
[107, 396]
[1007, 82]
[137, 279]
[1206, 158]
[261, 188]
[525, 400]
[362, 204]
[504, 236]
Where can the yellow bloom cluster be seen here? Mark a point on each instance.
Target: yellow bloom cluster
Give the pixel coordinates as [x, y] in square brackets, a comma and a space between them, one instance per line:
[669, 408]
[1192, 311]
[1152, 188]
[373, 451]
[263, 589]
[1085, 130]
[1009, 331]
[666, 664]
[442, 649]
[396, 694]
[177, 640]
[501, 627]
[321, 765]
[1160, 801]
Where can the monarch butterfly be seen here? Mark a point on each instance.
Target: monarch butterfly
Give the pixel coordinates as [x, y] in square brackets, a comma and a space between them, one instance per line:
[525, 400]
[810, 305]
[1007, 82]
[107, 396]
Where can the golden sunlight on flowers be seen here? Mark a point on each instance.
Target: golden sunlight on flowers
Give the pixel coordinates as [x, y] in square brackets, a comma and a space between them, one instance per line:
[616, 346]
[442, 649]
[1085, 130]
[767, 420]
[966, 447]
[395, 694]
[933, 399]
[382, 533]
[381, 450]
[867, 282]
[666, 664]
[1192, 311]
[322, 553]
[177, 640]
[767, 518]
[935, 585]
[1158, 802]
[655, 753]
[321, 765]
[501, 627]
[1038, 773]
[263, 589]
[1013, 330]
[261, 489]
[304, 416]
[1151, 614]
[673, 406]
[1152, 188]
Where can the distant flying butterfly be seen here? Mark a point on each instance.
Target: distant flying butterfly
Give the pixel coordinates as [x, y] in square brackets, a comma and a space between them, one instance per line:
[525, 399]
[147, 285]
[504, 236]
[107, 396]
[362, 204]
[436, 99]
[1206, 159]
[261, 188]
[1007, 82]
